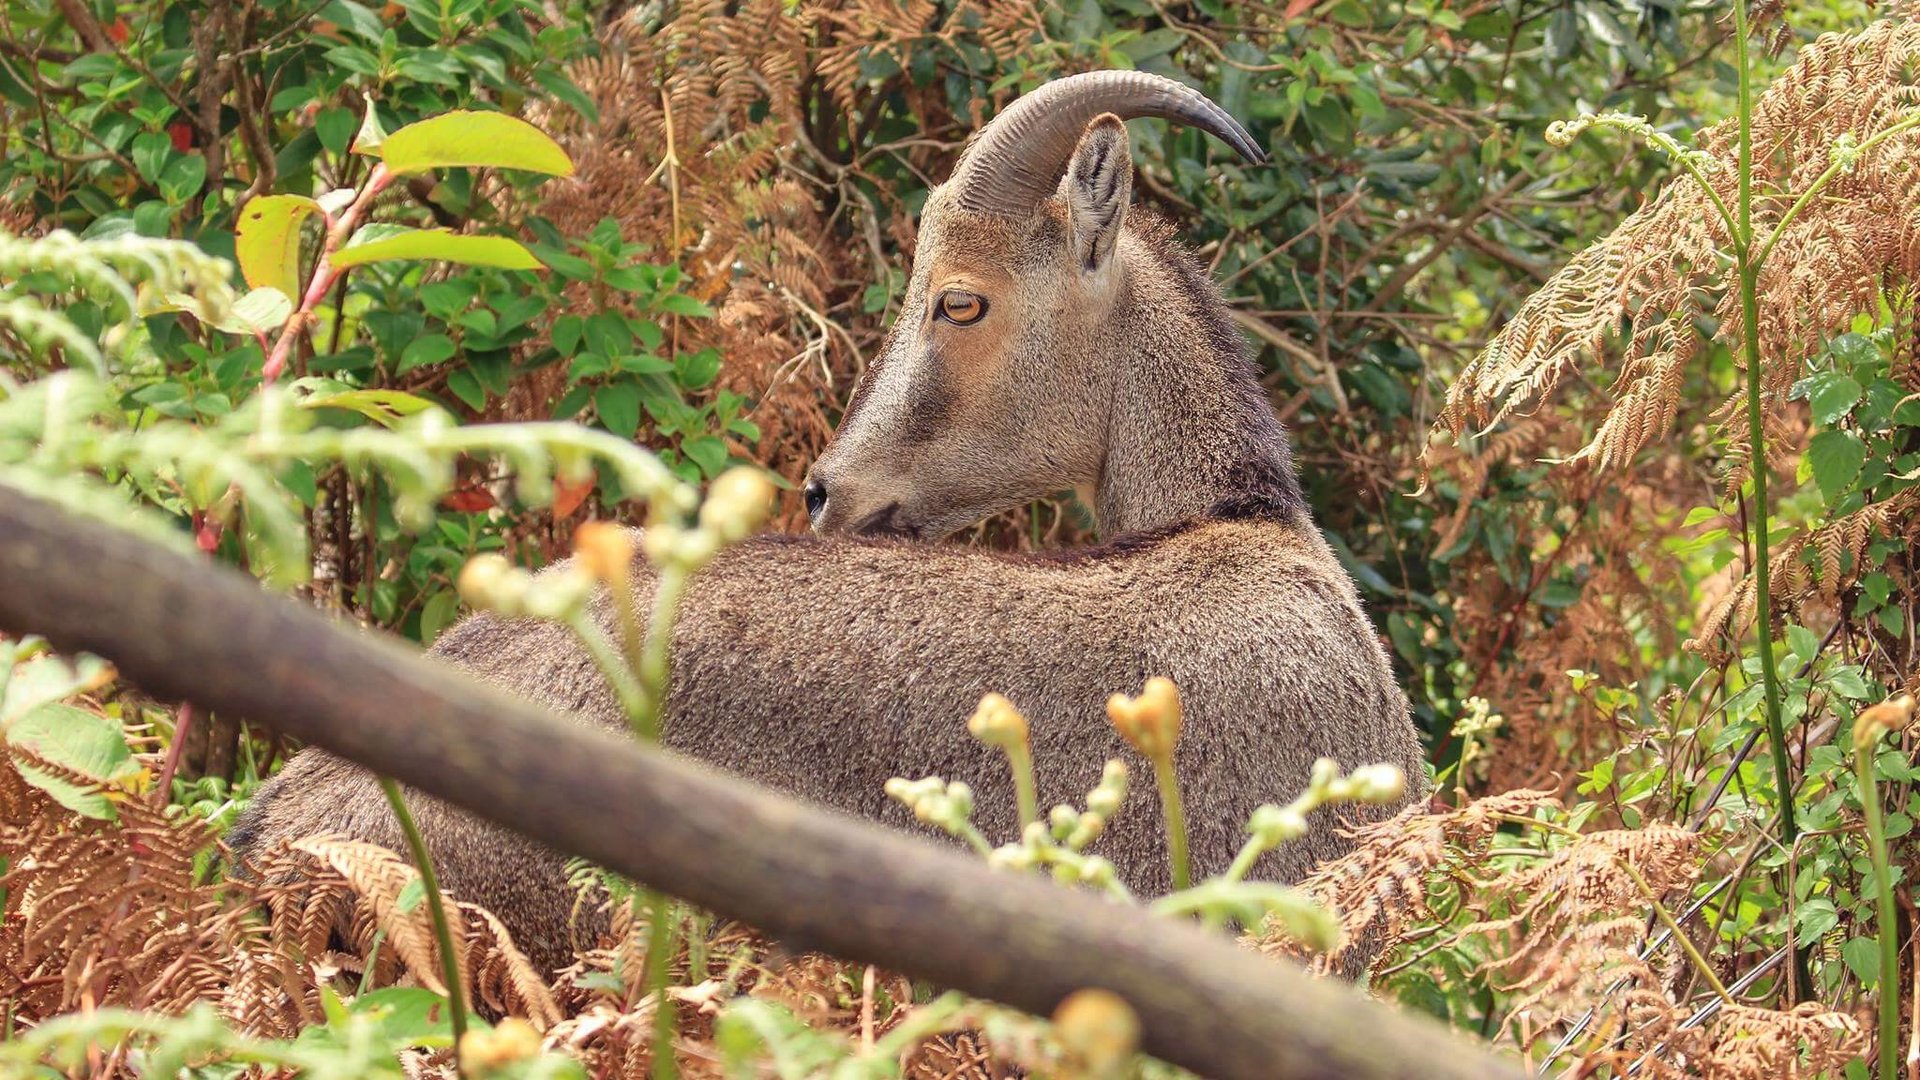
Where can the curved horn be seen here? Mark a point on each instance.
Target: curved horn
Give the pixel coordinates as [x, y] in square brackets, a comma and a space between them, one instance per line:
[1017, 160]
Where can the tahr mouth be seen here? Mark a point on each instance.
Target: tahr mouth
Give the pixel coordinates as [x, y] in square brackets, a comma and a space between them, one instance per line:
[888, 521]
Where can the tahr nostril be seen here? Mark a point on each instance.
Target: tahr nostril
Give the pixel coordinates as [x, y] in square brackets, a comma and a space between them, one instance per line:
[816, 498]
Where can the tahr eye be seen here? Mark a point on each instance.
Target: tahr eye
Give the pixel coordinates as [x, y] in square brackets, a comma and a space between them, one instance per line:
[961, 308]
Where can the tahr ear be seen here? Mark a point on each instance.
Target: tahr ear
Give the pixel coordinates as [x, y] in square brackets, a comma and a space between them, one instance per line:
[1099, 184]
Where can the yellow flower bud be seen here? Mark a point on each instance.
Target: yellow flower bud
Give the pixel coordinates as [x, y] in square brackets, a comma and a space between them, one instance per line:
[491, 582]
[1151, 721]
[605, 549]
[737, 504]
[487, 1049]
[1893, 714]
[1099, 1031]
[997, 723]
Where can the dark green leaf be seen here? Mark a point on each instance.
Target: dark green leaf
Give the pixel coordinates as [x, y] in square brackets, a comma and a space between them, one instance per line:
[619, 407]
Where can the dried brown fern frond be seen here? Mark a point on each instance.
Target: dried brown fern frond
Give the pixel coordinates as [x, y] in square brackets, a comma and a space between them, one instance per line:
[1816, 565]
[1563, 930]
[1380, 888]
[110, 913]
[1640, 291]
[504, 981]
[382, 883]
[1806, 1040]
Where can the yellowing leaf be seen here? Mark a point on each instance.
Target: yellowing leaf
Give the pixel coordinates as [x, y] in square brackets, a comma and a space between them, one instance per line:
[384, 407]
[478, 139]
[267, 243]
[377, 242]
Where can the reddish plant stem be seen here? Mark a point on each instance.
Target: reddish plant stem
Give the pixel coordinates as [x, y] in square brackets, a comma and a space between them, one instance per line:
[182, 723]
[324, 274]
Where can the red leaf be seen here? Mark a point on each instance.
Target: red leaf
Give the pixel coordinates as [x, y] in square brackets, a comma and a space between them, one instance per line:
[1297, 8]
[117, 30]
[206, 535]
[469, 500]
[181, 133]
[568, 497]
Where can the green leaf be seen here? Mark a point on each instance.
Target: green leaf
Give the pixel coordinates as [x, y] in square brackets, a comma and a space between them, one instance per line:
[375, 243]
[151, 150]
[1854, 349]
[619, 407]
[1847, 681]
[267, 243]
[1804, 642]
[682, 304]
[474, 139]
[468, 389]
[697, 370]
[27, 686]
[437, 614]
[1834, 397]
[1814, 918]
[79, 742]
[1862, 955]
[372, 135]
[1836, 457]
[355, 17]
[335, 126]
[420, 352]
[384, 407]
[708, 452]
[182, 177]
[566, 333]
[261, 311]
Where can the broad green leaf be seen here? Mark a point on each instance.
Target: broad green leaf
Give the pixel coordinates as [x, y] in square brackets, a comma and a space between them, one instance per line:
[619, 407]
[682, 304]
[1814, 918]
[1833, 397]
[1862, 955]
[375, 243]
[708, 452]
[28, 685]
[422, 351]
[384, 407]
[474, 139]
[1836, 457]
[77, 741]
[183, 177]
[261, 311]
[267, 242]
[1854, 349]
[437, 614]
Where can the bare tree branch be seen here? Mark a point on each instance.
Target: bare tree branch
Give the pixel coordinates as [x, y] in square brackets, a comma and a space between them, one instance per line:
[180, 627]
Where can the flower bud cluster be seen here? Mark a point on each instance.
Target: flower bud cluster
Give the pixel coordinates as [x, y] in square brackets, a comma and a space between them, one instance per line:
[1273, 825]
[948, 806]
[490, 583]
[736, 506]
[1059, 842]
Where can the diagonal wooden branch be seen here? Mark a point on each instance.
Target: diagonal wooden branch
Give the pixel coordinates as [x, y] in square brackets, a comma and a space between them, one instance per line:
[183, 628]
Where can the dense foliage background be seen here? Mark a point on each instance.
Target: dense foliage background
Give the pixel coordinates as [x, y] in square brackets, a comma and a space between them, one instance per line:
[1576, 622]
